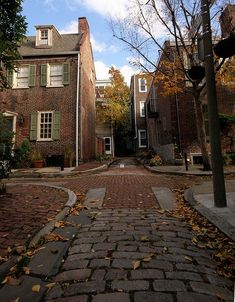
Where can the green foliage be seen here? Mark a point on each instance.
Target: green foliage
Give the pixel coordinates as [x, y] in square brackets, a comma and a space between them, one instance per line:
[12, 30]
[6, 137]
[156, 161]
[227, 159]
[115, 107]
[22, 155]
[102, 157]
[226, 120]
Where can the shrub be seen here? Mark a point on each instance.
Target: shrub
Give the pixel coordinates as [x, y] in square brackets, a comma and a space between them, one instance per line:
[156, 161]
[22, 155]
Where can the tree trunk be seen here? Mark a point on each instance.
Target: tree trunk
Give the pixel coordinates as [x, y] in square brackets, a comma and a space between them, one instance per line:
[201, 132]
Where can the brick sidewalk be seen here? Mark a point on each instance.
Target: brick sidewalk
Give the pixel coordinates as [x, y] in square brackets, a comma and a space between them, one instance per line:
[24, 211]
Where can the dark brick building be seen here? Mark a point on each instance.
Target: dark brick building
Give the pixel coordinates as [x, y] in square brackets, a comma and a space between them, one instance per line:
[51, 101]
[139, 90]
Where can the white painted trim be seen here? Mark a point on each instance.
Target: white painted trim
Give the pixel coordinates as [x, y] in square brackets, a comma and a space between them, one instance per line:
[142, 106]
[146, 88]
[77, 114]
[110, 140]
[139, 140]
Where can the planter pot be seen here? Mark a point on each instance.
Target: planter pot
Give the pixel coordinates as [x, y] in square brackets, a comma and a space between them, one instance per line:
[38, 163]
[179, 162]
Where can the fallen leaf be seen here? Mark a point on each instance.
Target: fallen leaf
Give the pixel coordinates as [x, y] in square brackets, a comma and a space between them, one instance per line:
[9, 250]
[11, 281]
[26, 270]
[50, 285]
[161, 211]
[136, 264]
[144, 238]
[93, 201]
[188, 258]
[54, 251]
[59, 224]
[36, 288]
[147, 259]
[54, 237]
[20, 249]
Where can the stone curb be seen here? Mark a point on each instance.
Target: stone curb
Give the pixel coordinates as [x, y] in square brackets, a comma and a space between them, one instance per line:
[220, 223]
[72, 198]
[183, 173]
[41, 175]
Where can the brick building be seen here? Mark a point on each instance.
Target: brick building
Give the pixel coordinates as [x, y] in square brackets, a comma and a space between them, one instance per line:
[51, 101]
[139, 89]
[171, 120]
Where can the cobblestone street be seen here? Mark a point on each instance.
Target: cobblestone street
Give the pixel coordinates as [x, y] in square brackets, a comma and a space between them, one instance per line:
[129, 250]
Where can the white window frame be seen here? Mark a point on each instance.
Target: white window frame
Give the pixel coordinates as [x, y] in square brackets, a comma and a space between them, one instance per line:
[145, 89]
[39, 126]
[41, 42]
[49, 75]
[110, 140]
[142, 108]
[15, 77]
[139, 137]
[44, 39]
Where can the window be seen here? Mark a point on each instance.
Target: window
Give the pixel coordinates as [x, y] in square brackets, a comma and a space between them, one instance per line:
[142, 109]
[142, 135]
[45, 125]
[55, 75]
[22, 77]
[142, 85]
[43, 37]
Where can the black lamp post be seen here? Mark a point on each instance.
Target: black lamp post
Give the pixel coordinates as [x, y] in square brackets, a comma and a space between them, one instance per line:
[214, 127]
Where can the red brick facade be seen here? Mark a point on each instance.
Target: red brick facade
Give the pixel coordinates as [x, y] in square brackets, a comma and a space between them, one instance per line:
[75, 99]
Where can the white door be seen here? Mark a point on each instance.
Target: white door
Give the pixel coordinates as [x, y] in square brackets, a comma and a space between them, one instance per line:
[107, 145]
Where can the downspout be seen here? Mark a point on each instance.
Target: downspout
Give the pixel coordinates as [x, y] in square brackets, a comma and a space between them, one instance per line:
[136, 137]
[77, 112]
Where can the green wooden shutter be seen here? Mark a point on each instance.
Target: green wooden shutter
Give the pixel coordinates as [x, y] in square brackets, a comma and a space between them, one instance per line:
[32, 75]
[66, 74]
[43, 81]
[10, 77]
[56, 125]
[33, 126]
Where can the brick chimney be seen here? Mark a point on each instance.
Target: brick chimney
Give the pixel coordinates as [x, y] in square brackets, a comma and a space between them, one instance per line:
[83, 26]
[227, 20]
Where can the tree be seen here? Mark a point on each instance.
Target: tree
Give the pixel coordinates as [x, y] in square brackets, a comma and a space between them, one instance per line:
[12, 30]
[179, 19]
[115, 109]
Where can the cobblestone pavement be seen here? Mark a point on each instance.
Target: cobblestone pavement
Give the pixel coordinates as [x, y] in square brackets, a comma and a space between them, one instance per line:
[128, 251]
[24, 211]
[137, 255]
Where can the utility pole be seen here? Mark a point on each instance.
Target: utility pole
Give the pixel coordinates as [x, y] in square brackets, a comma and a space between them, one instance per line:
[214, 127]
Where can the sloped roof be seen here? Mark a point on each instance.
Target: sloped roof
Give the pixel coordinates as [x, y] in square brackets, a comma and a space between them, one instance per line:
[66, 44]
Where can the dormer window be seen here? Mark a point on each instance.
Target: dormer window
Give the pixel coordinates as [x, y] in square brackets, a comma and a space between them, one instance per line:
[45, 35]
[43, 39]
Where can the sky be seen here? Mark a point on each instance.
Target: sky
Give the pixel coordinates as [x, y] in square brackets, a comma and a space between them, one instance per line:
[64, 14]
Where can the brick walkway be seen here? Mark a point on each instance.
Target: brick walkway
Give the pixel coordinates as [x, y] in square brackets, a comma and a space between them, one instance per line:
[24, 211]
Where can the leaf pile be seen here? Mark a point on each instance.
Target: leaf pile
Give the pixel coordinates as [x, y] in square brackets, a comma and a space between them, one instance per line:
[207, 236]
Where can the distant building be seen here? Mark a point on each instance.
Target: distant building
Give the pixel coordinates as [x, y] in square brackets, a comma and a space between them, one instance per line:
[51, 101]
[139, 90]
[104, 131]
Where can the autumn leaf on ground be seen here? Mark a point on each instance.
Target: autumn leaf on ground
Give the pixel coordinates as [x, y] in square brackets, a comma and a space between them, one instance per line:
[189, 258]
[144, 238]
[59, 224]
[149, 257]
[136, 264]
[161, 211]
[50, 285]
[54, 251]
[93, 201]
[20, 249]
[54, 237]
[36, 288]
[26, 270]
[11, 281]
[9, 249]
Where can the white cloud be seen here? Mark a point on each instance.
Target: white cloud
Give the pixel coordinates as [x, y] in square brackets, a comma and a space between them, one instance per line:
[71, 27]
[98, 46]
[102, 71]
[112, 8]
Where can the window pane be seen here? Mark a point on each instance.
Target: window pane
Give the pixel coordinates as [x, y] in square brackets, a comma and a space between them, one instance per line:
[22, 77]
[46, 125]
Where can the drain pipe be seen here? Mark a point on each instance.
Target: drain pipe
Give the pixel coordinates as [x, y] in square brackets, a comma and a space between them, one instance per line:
[77, 112]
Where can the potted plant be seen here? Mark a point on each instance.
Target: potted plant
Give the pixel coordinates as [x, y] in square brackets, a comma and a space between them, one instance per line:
[37, 158]
[68, 156]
